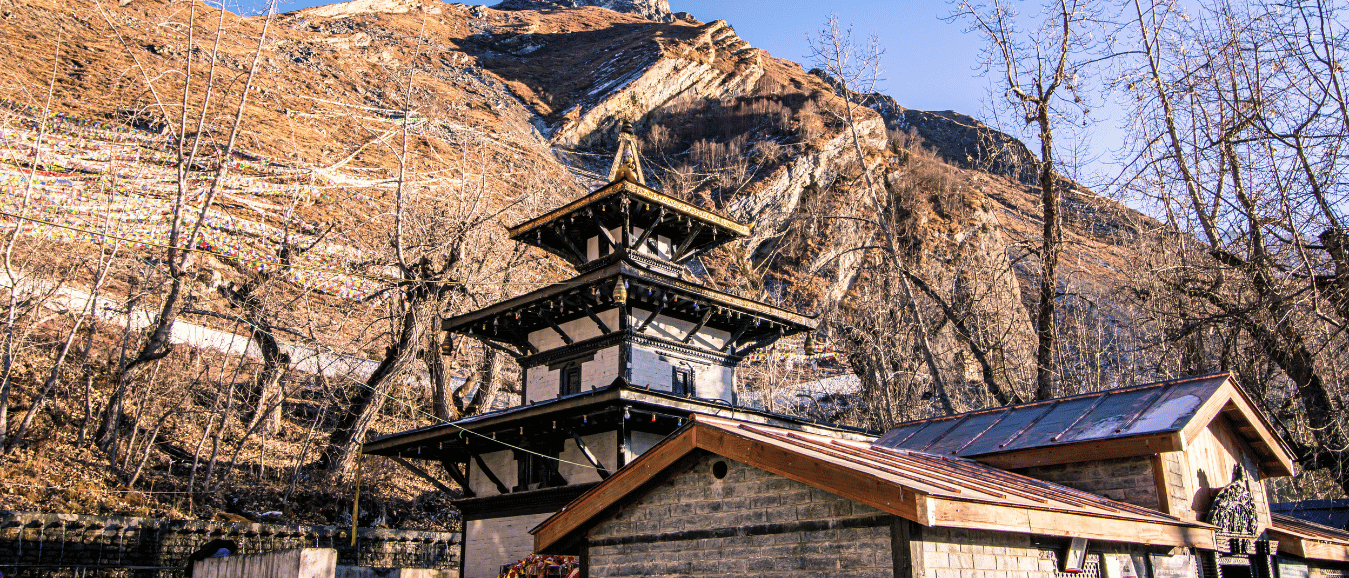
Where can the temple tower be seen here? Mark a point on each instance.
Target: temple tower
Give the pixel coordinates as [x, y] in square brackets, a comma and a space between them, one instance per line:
[614, 359]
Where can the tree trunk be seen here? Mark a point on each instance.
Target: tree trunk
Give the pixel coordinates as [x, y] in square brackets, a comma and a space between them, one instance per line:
[1045, 329]
[345, 441]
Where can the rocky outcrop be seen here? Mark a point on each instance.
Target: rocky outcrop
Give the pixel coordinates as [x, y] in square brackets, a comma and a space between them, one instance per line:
[714, 64]
[957, 138]
[658, 10]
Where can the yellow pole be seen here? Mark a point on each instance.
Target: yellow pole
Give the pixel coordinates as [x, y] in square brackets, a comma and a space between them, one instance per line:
[356, 502]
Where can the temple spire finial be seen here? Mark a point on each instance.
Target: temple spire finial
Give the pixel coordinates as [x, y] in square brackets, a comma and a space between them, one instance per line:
[627, 162]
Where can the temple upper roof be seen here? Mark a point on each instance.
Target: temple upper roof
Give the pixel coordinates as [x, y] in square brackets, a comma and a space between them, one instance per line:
[688, 229]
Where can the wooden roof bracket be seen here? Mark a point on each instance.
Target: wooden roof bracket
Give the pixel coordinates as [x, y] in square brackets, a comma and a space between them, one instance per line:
[701, 322]
[646, 233]
[589, 456]
[427, 476]
[660, 306]
[604, 329]
[688, 242]
[549, 320]
[735, 337]
[577, 253]
[604, 233]
[486, 471]
[453, 470]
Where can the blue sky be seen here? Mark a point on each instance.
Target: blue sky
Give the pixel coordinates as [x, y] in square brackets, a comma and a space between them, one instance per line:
[928, 64]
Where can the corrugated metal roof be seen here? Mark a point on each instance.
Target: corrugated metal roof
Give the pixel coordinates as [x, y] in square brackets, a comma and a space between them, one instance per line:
[1333, 513]
[1133, 411]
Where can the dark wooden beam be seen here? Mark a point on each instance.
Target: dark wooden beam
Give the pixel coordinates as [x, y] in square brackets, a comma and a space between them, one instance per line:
[590, 457]
[730, 343]
[688, 242]
[549, 320]
[497, 346]
[761, 342]
[646, 234]
[701, 322]
[426, 476]
[486, 471]
[605, 234]
[453, 470]
[660, 306]
[604, 329]
[570, 246]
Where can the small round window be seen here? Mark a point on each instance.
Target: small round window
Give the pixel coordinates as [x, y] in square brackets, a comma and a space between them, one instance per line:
[719, 470]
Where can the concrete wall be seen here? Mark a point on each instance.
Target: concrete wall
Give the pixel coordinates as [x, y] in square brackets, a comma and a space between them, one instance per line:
[1130, 480]
[749, 523]
[296, 563]
[496, 541]
[65, 540]
[542, 383]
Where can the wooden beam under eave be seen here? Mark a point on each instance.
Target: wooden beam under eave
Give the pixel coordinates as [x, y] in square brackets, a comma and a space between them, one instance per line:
[1098, 450]
[985, 516]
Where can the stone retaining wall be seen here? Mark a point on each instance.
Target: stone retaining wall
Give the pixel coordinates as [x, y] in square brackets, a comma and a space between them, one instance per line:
[33, 544]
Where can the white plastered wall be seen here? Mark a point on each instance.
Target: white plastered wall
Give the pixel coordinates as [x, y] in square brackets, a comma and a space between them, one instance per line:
[664, 249]
[677, 329]
[542, 384]
[605, 447]
[653, 369]
[502, 464]
[495, 541]
[577, 329]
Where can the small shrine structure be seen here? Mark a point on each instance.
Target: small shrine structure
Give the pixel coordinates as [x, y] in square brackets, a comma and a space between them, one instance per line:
[613, 360]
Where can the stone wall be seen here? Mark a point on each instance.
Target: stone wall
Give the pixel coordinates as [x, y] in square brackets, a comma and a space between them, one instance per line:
[34, 544]
[949, 553]
[747, 523]
[1129, 480]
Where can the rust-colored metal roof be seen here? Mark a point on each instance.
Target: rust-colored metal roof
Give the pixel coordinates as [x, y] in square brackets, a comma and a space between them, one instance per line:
[1137, 420]
[933, 490]
[1308, 539]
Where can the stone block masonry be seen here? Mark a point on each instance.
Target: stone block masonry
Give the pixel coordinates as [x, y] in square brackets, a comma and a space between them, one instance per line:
[33, 544]
[1128, 480]
[950, 553]
[746, 523]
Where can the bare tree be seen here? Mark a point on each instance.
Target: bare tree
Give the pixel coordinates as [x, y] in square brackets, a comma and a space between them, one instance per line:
[1040, 71]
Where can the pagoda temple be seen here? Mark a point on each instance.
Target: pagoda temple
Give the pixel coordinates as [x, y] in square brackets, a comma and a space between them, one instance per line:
[613, 360]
